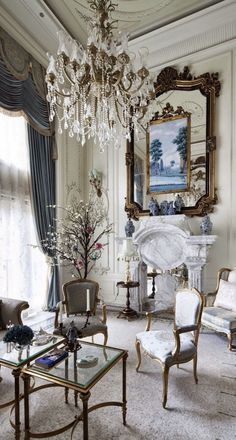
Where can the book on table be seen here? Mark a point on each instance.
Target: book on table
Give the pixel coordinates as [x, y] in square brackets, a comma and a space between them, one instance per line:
[52, 358]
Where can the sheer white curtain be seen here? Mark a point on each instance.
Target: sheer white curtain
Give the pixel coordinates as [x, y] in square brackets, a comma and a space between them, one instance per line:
[23, 269]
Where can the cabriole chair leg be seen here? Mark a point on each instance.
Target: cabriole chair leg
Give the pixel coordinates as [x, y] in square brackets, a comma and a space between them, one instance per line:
[105, 338]
[230, 341]
[137, 345]
[195, 369]
[165, 376]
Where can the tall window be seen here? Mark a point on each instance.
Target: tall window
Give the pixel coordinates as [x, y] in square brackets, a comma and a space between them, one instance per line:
[23, 269]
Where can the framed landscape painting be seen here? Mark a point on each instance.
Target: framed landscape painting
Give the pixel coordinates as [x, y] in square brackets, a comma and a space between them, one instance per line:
[168, 155]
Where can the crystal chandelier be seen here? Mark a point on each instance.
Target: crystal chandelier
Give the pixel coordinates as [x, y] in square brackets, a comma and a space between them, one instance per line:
[97, 93]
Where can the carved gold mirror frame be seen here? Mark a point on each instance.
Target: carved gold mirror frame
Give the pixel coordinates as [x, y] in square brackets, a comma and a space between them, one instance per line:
[182, 93]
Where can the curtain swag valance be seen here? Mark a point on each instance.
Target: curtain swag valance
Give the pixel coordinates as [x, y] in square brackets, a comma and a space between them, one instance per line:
[22, 86]
[20, 63]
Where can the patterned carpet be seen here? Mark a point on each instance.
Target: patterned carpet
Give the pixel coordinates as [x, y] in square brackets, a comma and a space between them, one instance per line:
[206, 411]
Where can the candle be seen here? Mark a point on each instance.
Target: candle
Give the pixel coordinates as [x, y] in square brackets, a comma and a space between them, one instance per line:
[60, 313]
[88, 300]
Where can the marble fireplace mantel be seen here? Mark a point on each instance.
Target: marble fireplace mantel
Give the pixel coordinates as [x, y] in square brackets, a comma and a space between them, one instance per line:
[166, 242]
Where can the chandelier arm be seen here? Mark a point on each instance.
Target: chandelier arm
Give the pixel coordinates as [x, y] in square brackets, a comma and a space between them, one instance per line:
[118, 115]
[94, 71]
[125, 98]
[122, 87]
[63, 95]
[118, 81]
[134, 91]
[68, 76]
[70, 80]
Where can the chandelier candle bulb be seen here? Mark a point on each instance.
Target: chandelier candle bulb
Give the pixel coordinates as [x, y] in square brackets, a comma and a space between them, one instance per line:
[88, 300]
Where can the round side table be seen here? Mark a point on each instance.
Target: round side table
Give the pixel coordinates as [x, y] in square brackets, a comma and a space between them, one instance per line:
[127, 312]
[152, 275]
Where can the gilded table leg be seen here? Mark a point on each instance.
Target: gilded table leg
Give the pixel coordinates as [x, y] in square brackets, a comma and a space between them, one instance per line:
[124, 407]
[76, 398]
[66, 394]
[16, 374]
[85, 398]
[26, 379]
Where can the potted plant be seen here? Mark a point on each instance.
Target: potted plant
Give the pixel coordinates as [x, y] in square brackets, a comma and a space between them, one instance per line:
[77, 240]
[20, 336]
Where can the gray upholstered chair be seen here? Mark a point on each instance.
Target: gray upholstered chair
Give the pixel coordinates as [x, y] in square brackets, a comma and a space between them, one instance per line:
[179, 346]
[10, 311]
[219, 313]
[75, 303]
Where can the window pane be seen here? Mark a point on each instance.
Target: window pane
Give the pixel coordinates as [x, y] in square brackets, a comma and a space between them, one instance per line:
[23, 269]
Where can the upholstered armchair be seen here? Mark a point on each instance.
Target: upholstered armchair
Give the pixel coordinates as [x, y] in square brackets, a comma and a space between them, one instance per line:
[219, 313]
[75, 304]
[10, 311]
[177, 347]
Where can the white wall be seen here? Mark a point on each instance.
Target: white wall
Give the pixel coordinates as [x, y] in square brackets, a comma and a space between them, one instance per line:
[206, 42]
[220, 57]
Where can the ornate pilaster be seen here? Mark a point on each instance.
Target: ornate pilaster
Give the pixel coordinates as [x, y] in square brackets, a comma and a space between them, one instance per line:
[197, 251]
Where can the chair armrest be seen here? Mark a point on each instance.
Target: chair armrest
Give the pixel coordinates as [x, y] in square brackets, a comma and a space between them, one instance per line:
[11, 310]
[149, 316]
[57, 310]
[177, 331]
[209, 298]
[185, 329]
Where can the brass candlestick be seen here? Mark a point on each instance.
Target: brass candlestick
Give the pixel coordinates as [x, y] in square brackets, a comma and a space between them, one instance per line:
[88, 314]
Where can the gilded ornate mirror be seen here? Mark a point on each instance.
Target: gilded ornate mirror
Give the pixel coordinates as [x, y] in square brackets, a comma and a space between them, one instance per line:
[158, 166]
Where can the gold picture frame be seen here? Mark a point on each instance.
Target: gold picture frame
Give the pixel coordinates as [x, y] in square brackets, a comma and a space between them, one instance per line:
[197, 96]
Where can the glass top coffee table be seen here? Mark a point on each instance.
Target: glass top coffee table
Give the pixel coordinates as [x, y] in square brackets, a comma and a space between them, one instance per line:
[79, 372]
[16, 361]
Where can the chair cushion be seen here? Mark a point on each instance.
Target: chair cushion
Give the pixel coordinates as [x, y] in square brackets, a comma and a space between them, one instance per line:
[226, 296]
[232, 276]
[160, 345]
[219, 317]
[95, 326]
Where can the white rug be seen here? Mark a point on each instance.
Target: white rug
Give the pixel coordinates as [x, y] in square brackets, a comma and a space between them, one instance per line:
[206, 411]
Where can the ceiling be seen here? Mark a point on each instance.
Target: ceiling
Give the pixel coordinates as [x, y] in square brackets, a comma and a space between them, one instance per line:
[35, 23]
[135, 16]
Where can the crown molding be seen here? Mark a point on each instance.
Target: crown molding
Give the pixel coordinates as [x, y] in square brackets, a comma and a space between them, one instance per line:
[200, 31]
[36, 34]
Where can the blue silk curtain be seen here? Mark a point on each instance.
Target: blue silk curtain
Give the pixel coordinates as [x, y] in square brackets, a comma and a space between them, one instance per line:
[21, 95]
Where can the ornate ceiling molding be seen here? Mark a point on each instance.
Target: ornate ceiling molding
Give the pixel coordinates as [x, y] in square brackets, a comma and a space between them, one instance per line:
[192, 34]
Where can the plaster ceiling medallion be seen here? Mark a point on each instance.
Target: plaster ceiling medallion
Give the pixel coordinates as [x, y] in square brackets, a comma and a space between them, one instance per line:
[129, 12]
[137, 16]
